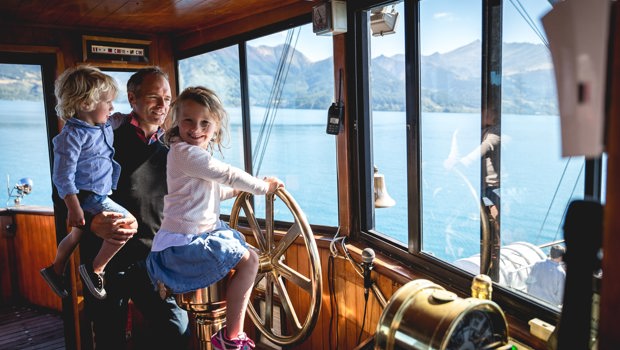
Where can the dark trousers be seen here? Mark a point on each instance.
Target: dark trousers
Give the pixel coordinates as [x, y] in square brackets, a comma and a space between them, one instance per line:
[166, 325]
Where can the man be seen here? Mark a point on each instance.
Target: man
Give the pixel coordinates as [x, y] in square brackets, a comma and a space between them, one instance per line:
[547, 277]
[141, 189]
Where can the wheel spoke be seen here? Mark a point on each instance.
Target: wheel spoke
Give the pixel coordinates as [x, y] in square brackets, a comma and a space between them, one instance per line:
[269, 223]
[254, 225]
[269, 302]
[287, 305]
[259, 277]
[295, 277]
[286, 241]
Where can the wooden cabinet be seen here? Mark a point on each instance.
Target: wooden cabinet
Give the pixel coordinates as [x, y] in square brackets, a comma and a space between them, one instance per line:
[27, 244]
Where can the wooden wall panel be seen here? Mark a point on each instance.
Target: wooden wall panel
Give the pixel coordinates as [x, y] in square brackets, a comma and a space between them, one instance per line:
[35, 247]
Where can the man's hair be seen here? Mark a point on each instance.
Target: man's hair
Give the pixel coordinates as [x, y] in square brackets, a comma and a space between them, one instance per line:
[135, 81]
[80, 88]
[557, 251]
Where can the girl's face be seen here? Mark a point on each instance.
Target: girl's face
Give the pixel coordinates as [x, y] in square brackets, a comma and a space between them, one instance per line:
[196, 125]
[100, 113]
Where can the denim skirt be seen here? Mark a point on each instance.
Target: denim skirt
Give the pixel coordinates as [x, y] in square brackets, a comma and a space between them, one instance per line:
[206, 259]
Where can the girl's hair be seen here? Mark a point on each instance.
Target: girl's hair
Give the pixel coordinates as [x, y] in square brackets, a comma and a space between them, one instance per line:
[81, 88]
[209, 100]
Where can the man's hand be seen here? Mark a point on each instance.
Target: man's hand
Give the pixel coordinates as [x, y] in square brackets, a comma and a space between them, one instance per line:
[113, 227]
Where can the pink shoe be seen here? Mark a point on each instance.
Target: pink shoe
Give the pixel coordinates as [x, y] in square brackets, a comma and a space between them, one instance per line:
[220, 341]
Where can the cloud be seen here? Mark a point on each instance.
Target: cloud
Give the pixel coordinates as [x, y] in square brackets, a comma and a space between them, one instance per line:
[443, 16]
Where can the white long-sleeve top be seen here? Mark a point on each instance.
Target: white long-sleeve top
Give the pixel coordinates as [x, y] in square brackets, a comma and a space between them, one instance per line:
[194, 178]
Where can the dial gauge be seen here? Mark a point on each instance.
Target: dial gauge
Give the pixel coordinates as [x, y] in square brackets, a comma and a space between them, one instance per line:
[476, 330]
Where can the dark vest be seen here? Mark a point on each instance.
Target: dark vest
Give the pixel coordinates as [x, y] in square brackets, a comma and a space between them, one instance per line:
[141, 190]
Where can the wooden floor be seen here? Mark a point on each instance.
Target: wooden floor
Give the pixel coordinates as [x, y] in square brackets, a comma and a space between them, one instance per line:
[24, 327]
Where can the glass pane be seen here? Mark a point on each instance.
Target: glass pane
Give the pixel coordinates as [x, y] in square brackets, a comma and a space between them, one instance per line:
[121, 103]
[23, 127]
[450, 43]
[387, 103]
[537, 188]
[290, 76]
[219, 70]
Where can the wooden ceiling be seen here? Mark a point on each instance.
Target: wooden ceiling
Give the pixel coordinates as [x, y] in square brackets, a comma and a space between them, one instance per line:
[139, 16]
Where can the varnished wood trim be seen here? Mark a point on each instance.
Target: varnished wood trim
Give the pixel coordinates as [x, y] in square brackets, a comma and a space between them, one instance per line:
[37, 49]
[343, 160]
[7, 260]
[203, 36]
[609, 337]
[27, 209]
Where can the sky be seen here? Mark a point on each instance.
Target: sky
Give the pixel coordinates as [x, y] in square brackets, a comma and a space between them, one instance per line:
[445, 25]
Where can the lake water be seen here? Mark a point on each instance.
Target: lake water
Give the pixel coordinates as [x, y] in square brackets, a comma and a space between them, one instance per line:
[532, 201]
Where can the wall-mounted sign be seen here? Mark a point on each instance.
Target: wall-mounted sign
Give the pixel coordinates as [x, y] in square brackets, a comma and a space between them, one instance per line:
[105, 49]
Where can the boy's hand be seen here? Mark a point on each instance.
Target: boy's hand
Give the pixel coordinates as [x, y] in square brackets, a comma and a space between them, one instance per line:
[75, 214]
[75, 217]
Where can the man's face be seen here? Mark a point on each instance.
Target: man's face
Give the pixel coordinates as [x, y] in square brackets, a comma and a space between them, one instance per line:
[152, 101]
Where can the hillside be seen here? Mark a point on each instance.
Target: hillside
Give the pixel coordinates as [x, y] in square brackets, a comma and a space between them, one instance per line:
[450, 81]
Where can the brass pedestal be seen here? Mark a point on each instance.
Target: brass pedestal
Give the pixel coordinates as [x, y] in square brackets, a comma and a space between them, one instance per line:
[208, 308]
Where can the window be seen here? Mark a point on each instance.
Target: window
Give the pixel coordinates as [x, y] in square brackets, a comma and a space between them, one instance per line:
[121, 102]
[23, 126]
[289, 84]
[536, 189]
[290, 88]
[458, 116]
[387, 102]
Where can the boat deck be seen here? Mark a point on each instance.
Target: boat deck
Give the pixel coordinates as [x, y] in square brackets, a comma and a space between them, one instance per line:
[27, 327]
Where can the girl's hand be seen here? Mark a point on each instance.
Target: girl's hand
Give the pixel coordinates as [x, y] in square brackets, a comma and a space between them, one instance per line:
[274, 184]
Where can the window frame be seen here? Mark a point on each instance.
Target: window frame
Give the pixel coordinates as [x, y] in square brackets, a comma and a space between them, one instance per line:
[517, 304]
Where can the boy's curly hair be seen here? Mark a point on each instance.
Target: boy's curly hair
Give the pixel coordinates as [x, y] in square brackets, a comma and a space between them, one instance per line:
[80, 89]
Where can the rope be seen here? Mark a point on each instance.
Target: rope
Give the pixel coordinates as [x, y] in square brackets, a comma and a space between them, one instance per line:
[557, 188]
[557, 231]
[282, 70]
[523, 12]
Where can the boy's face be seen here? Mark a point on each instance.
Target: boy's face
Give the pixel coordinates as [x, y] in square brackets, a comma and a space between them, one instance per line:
[100, 113]
[196, 124]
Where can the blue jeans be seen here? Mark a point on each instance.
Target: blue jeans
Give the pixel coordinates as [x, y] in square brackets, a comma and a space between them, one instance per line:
[166, 324]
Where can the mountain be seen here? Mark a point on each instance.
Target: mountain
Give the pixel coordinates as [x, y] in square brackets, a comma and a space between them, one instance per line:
[20, 82]
[450, 82]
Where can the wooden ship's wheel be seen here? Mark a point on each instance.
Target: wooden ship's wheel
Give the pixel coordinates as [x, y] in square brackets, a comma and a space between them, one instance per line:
[286, 298]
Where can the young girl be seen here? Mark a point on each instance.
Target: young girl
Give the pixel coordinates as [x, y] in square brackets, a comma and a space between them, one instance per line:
[84, 171]
[194, 248]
